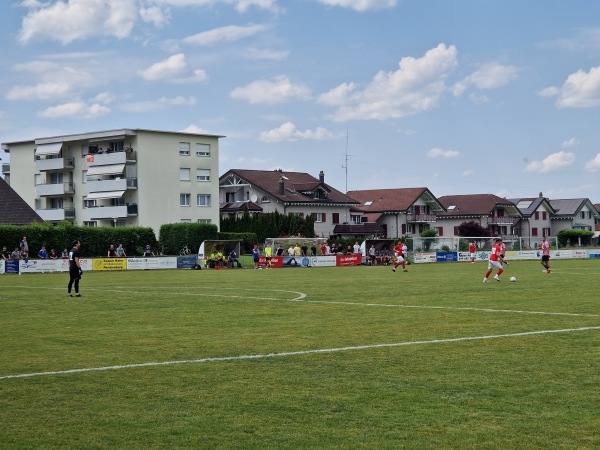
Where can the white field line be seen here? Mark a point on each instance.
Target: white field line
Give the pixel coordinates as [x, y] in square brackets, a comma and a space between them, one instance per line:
[301, 298]
[295, 353]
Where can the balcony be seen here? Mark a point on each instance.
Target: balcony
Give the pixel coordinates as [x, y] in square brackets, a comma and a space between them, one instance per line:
[55, 164]
[118, 184]
[54, 190]
[106, 212]
[501, 220]
[421, 218]
[5, 168]
[104, 159]
[132, 210]
[56, 215]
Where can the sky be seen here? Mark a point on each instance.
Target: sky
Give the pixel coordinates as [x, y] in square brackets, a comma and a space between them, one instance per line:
[461, 97]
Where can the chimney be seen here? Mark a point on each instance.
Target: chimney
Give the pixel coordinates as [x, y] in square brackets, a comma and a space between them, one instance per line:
[541, 195]
[321, 177]
[281, 186]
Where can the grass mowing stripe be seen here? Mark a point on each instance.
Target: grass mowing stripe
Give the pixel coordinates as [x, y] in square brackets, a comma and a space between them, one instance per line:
[297, 353]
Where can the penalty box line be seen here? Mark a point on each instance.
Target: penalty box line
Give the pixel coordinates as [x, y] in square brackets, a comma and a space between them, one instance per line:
[295, 353]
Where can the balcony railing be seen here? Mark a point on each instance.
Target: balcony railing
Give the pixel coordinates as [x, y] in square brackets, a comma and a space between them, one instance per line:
[106, 212]
[504, 220]
[103, 159]
[45, 165]
[421, 218]
[56, 214]
[132, 210]
[5, 168]
[54, 189]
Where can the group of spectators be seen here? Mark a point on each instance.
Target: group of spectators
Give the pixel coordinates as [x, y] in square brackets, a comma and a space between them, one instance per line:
[218, 259]
[21, 251]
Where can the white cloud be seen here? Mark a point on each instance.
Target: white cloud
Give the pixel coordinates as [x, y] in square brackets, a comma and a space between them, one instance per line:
[289, 132]
[440, 153]
[279, 90]
[492, 75]
[580, 90]
[78, 19]
[593, 165]
[551, 163]
[104, 97]
[171, 67]
[229, 33]
[195, 129]
[467, 173]
[415, 87]
[361, 5]
[570, 143]
[174, 70]
[76, 110]
[153, 105]
[265, 54]
[240, 5]
[57, 81]
[155, 15]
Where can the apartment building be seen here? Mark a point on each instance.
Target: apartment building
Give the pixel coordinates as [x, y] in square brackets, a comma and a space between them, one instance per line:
[125, 177]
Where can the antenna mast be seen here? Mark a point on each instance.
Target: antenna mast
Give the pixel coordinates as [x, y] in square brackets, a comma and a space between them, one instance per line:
[345, 166]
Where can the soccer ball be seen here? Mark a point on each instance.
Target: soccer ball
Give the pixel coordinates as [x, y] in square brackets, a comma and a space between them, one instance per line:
[513, 279]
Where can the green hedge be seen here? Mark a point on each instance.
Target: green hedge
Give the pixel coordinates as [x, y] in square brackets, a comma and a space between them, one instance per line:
[174, 236]
[94, 241]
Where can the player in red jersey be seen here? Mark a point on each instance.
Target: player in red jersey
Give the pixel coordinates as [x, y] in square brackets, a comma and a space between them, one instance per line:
[399, 257]
[495, 261]
[472, 250]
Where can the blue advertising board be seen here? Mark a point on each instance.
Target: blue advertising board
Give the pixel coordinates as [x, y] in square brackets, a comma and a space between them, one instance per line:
[446, 256]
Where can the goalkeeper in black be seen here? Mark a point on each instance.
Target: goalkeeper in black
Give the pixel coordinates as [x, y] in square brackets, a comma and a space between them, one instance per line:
[74, 269]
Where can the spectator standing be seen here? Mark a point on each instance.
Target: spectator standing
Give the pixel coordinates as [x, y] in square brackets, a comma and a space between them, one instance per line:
[5, 255]
[268, 254]
[255, 255]
[121, 251]
[112, 251]
[148, 251]
[16, 254]
[74, 269]
[53, 254]
[356, 248]
[24, 245]
[373, 255]
[64, 254]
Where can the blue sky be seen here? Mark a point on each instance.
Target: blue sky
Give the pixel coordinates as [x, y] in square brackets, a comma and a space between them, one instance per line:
[465, 96]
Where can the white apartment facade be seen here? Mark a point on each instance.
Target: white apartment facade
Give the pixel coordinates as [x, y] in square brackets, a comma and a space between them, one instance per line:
[125, 177]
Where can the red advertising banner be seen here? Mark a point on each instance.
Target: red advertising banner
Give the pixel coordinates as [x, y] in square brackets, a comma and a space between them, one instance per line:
[348, 260]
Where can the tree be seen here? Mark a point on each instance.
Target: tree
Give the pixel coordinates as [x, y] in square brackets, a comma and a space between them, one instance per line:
[430, 234]
[473, 229]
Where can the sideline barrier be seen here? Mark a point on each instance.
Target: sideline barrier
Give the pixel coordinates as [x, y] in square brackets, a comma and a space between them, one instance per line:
[512, 255]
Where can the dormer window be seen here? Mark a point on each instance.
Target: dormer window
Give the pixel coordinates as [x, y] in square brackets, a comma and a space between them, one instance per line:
[369, 203]
[319, 193]
[451, 207]
[265, 199]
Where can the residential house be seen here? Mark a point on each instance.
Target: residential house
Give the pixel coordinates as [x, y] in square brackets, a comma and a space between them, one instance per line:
[125, 177]
[399, 212]
[575, 213]
[13, 209]
[266, 191]
[499, 215]
[536, 217]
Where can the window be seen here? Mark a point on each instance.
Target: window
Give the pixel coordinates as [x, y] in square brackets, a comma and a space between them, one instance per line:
[265, 199]
[456, 232]
[582, 214]
[440, 231]
[184, 174]
[202, 174]
[186, 220]
[184, 149]
[203, 200]
[537, 215]
[546, 231]
[319, 217]
[355, 218]
[544, 215]
[202, 149]
[204, 221]
[89, 203]
[184, 199]
[335, 218]
[37, 179]
[90, 224]
[534, 231]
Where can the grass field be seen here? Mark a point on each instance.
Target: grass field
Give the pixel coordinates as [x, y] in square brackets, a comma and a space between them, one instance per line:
[355, 357]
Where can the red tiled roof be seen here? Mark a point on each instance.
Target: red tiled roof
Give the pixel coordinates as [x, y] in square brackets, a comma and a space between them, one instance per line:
[294, 182]
[388, 200]
[473, 204]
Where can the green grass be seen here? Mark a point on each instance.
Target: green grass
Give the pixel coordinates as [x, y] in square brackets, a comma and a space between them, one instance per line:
[395, 370]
